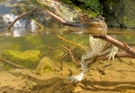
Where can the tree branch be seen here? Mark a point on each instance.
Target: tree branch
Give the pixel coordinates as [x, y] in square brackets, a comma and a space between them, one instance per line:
[49, 13]
[118, 44]
[20, 16]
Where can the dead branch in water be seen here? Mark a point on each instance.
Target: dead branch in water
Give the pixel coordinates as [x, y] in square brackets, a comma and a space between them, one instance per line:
[71, 55]
[63, 39]
[11, 64]
[129, 51]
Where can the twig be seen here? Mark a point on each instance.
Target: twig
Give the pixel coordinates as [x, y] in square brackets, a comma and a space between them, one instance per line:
[37, 23]
[20, 16]
[60, 37]
[62, 21]
[71, 55]
[11, 64]
[41, 26]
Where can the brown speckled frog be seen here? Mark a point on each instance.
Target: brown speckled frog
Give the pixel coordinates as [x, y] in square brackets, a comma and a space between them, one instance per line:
[98, 47]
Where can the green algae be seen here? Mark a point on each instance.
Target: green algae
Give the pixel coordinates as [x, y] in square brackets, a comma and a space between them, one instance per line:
[29, 58]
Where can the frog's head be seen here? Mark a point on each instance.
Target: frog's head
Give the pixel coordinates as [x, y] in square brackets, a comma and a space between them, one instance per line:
[98, 24]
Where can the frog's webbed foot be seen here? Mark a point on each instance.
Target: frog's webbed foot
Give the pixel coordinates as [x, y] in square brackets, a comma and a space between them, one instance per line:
[113, 52]
[79, 77]
[76, 78]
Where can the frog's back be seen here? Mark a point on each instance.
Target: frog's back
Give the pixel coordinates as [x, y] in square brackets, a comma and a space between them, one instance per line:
[97, 45]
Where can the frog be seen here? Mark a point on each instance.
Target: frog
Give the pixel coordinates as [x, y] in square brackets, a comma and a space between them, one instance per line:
[98, 47]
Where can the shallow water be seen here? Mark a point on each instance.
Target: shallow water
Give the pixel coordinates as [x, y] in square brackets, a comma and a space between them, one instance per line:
[27, 48]
[48, 59]
[22, 40]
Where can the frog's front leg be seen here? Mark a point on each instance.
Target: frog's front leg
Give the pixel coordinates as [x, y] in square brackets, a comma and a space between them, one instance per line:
[113, 52]
[84, 65]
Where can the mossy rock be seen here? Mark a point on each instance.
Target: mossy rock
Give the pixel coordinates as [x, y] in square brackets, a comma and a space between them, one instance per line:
[122, 11]
[46, 65]
[29, 58]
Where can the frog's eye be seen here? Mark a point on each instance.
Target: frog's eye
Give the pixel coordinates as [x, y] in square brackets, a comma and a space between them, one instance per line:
[102, 18]
[97, 24]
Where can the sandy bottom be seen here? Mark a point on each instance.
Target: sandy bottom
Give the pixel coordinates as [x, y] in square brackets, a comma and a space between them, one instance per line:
[103, 77]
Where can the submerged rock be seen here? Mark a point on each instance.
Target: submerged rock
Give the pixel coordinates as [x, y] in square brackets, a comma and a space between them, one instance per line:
[29, 58]
[45, 65]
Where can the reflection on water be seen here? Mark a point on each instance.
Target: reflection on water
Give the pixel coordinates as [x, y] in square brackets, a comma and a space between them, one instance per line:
[124, 35]
[66, 30]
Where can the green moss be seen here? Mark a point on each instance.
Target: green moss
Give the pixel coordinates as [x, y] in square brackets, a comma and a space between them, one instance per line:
[111, 3]
[29, 58]
[128, 22]
[78, 8]
[90, 13]
[67, 1]
[48, 68]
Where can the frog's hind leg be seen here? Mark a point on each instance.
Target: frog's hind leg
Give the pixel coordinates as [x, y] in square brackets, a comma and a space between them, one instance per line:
[89, 55]
[84, 64]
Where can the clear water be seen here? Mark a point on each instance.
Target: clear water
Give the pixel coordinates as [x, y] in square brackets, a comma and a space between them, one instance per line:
[41, 43]
[46, 39]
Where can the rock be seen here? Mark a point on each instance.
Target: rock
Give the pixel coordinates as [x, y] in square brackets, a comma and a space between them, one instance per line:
[13, 8]
[10, 9]
[93, 73]
[77, 89]
[120, 12]
[70, 87]
[132, 61]
[45, 65]
[65, 11]
[29, 58]
[111, 21]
